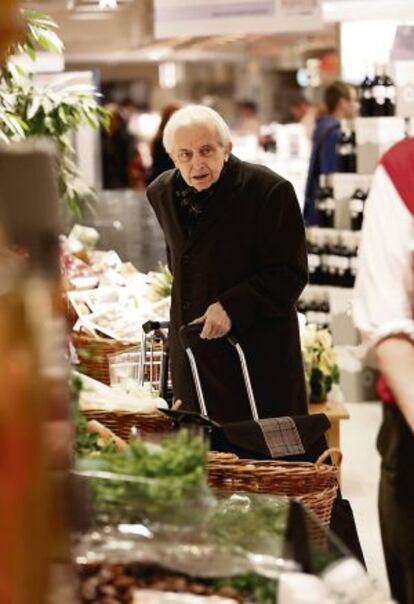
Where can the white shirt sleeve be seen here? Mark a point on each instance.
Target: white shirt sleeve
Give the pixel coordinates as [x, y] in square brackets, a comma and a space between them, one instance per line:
[384, 294]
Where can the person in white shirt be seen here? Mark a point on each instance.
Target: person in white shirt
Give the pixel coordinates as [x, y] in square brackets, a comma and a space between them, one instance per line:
[383, 309]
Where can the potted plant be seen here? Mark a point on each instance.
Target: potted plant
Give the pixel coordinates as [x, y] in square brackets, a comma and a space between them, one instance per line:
[52, 110]
[320, 362]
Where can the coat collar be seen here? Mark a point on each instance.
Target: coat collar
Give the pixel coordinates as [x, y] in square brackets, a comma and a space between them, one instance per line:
[218, 205]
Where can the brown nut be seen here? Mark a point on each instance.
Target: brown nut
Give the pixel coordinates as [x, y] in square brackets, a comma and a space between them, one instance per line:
[123, 582]
[108, 590]
[106, 574]
[89, 589]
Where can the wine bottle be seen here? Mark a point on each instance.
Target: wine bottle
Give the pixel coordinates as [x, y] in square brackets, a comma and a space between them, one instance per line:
[329, 208]
[314, 261]
[366, 97]
[321, 206]
[389, 104]
[345, 149]
[356, 209]
[378, 92]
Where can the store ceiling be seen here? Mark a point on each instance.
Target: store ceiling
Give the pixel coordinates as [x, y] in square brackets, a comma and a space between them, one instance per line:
[100, 31]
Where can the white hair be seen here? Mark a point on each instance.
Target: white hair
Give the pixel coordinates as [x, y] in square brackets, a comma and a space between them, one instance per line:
[195, 115]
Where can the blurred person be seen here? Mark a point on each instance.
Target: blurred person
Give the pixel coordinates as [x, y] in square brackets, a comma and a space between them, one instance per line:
[236, 248]
[117, 151]
[384, 313]
[339, 100]
[128, 109]
[161, 161]
[247, 122]
[304, 112]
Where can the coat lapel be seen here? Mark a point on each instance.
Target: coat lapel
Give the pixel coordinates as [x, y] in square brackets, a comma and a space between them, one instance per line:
[174, 231]
[219, 204]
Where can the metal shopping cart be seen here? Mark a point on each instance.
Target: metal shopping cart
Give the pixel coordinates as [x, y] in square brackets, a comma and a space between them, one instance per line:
[146, 363]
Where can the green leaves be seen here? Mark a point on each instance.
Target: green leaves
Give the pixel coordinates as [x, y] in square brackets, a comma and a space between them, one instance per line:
[150, 481]
[40, 34]
[13, 127]
[53, 110]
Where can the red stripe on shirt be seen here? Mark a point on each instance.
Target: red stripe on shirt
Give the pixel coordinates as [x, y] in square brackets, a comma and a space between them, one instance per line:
[399, 165]
[398, 162]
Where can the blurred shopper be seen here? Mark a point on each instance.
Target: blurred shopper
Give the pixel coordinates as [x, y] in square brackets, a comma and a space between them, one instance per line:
[161, 161]
[304, 112]
[384, 313]
[128, 110]
[247, 121]
[339, 101]
[117, 151]
[236, 248]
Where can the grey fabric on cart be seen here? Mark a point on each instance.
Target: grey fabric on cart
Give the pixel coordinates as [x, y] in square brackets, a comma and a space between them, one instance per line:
[282, 436]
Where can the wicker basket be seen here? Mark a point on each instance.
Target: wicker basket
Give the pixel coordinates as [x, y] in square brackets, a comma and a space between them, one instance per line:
[122, 423]
[315, 485]
[93, 354]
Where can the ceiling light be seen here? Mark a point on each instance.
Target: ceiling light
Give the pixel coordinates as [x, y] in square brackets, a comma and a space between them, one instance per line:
[108, 3]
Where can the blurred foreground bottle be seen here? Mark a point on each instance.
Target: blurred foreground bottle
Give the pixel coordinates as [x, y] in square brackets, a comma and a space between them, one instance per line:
[11, 26]
[35, 432]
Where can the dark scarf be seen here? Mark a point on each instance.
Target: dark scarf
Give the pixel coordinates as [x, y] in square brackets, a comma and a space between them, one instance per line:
[191, 203]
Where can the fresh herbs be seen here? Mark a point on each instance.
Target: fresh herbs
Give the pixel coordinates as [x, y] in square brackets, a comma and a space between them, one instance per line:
[147, 481]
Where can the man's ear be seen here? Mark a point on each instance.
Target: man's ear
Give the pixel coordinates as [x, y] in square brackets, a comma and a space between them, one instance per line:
[229, 147]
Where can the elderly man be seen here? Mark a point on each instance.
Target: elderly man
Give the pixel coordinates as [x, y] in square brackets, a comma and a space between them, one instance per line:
[236, 248]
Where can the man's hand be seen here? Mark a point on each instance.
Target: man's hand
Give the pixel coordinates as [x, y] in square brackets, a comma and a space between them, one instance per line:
[216, 321]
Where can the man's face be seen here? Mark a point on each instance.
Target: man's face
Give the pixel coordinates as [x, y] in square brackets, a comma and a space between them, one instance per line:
[298, 111]
[199, 155]
[350, 105]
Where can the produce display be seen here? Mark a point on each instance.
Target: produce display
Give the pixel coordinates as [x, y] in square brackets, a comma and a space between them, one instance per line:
[126, 396]
[131, 583]
[149, 481]
[110, 298]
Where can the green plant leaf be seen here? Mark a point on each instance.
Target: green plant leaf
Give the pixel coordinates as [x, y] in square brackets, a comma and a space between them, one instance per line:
[34, 106]
[49, 40]
[14, 124]
[30, 51]
[38, 19]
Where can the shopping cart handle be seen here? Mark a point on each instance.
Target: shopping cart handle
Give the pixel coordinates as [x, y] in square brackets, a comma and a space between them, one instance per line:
[150, 326]
[190, 330]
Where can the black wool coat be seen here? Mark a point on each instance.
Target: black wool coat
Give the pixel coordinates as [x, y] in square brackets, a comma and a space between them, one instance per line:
[247, 251]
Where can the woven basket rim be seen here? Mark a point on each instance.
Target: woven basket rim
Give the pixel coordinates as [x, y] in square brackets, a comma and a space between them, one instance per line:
[99, 339]
[121, 413]
[274, 467]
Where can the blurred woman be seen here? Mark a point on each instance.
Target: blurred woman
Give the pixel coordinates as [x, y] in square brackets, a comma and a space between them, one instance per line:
[117, 151]
[161, 161]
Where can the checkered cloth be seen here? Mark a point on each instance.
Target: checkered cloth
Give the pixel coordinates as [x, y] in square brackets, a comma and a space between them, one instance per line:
[282, 436]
